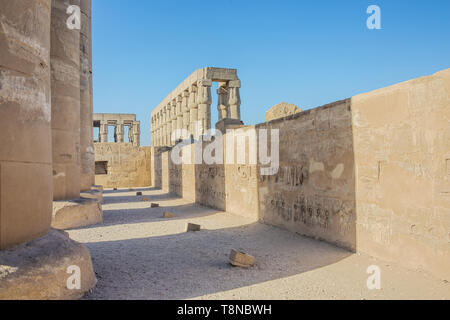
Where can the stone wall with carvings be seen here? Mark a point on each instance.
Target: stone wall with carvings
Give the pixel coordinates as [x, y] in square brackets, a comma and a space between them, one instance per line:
[370, 174]
[313, 192]
[122, 165]
[402, 154]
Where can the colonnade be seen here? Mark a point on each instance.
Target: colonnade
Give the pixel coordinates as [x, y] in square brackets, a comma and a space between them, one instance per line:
[188, 107]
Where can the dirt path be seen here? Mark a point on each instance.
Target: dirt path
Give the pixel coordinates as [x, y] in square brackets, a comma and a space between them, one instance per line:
[139, 255]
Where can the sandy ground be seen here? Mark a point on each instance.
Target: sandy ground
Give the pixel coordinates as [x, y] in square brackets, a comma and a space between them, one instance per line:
[139, 255]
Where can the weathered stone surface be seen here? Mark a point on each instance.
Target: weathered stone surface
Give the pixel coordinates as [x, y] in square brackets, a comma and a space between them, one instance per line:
[192, 227]
[65, 93]
[38, 269]
[93, 194]
[87, 157]
[401, 149]
[76, 213]
[313, 190]
[126, 165]
[241, 259]
[281, 110]
[25, 129]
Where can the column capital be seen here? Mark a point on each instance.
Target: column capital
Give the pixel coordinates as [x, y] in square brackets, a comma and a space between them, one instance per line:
[234, 84]
[204, 83]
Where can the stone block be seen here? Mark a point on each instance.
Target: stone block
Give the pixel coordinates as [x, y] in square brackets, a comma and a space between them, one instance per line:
[76, 213]
[192, 227]
[241, 259]
[168, 215]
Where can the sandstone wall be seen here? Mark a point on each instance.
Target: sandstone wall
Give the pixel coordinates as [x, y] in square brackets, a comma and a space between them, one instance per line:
[370, 174]
[127, 165]
[313, 192]
[402, 155]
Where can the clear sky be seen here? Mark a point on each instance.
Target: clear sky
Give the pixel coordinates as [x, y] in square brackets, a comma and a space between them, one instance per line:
[304, 52]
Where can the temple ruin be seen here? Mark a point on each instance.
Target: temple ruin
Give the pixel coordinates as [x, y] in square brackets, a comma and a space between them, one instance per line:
[120, 163]
[46, 148]
[369, 174]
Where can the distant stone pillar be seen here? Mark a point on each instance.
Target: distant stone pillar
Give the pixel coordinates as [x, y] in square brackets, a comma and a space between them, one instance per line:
[222, 101]
[103, 131]
[25, 129]
[164, 127]
[204, 101]
[174, 117]
[193, 111]
[65, 81]
[120, 132]
[152, 130]
[234, 99]
[179, 116]
[87, 155]
[137, 133]
[157, 143]
[169, 124]
[185, 110]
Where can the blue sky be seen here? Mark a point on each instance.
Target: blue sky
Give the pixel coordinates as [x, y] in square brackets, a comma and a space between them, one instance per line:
[304, 52]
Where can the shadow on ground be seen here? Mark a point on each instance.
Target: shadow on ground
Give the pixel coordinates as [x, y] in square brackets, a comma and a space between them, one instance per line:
[189, 265]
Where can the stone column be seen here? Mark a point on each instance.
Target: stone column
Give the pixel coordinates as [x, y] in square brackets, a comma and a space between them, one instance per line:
[179, 116]
[186, 113]
[25, 131]
[204, 101]
[137, 133]
[65, 86]
[152, 130]
[161, 128]
[103, 131]
[193, 111]
[164, 127]
[222, 101]
[174, 121]
[156, 131]
[120, 133]
[234, 99]
[169, 125]
[87, 156]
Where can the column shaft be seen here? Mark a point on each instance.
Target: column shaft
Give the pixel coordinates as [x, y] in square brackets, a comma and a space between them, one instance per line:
[65, 82]
[204, 100]
[25, 129]
[87, 156]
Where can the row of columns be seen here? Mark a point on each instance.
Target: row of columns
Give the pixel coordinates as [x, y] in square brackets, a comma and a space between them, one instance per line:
[134, 134]
[71, 101]
[191, 111]
[42, 98]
